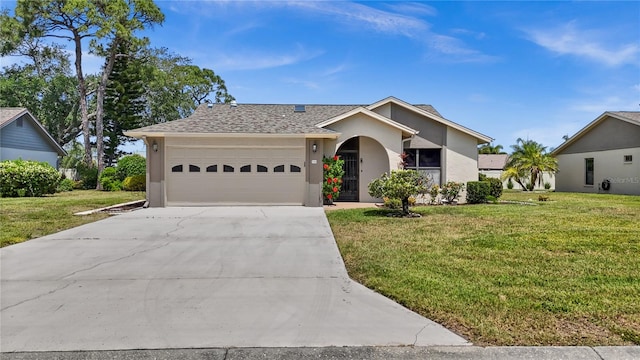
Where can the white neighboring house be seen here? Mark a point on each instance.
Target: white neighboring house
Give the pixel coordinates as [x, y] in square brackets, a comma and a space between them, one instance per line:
[492, 165]
[23, 137]
[603, 157]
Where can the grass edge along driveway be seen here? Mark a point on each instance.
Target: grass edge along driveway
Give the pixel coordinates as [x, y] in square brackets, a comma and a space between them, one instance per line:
[26, 218]
[563, 272]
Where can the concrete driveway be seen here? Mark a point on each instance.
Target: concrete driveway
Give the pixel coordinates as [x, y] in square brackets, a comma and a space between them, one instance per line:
[196, 278]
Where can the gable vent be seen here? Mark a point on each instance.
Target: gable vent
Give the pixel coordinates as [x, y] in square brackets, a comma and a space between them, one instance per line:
[299, 108]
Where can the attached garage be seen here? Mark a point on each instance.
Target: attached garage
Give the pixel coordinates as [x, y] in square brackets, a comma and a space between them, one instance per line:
[262, 171]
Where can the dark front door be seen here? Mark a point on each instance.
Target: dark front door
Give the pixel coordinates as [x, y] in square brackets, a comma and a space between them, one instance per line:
[349, 153]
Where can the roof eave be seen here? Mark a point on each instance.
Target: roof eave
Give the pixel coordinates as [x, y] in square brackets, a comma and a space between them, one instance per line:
[143, 134]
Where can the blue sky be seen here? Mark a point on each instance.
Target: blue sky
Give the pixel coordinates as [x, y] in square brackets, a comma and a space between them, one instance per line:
[536, 70]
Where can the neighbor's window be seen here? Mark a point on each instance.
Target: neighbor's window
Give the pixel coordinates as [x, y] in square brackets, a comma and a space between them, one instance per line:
[426, 161]
[628, 158]
[588, 171]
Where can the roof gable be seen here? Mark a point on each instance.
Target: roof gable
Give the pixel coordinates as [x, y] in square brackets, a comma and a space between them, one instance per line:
[9, 115]
[371, 114]
[431, 113]
[629, 119]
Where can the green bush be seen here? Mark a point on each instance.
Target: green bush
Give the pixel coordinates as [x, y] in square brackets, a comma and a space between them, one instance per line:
[451, 190]
[495, 187]
[477, 192]
[392, 203]
[88, 176]
[135, 183]
[510, 184]
[109, 180]
[482, 177]
[547, 185]
[131, 165]
[20, 178]
[66, 185]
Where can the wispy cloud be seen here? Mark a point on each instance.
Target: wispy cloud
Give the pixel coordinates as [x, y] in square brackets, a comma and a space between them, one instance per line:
[594, 45]
[413, 8]
[254, 60]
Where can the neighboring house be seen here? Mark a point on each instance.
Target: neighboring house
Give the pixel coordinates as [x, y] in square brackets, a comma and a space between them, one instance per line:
[23, 137]
[602, 157]
[492, 165]
[272, 154]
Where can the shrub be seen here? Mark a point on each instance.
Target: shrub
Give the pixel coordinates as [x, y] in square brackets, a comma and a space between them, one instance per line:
[131, 165]
[451, 190]
[492, 199]
[482, 177]
[66, 185]
[547, 185]
[88, 176]
[392, 203]
[400, 184]
[109, 180]
[495, 187]
[135, 183]
[477, 192]
[27, 178]
[333, 171]
[510, 184]
[433, 193]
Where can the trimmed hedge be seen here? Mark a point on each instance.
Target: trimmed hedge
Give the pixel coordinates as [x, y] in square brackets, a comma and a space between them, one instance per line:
[109, 180]
[477, 192]
[135, 183]
[20, 178]
[495, 187]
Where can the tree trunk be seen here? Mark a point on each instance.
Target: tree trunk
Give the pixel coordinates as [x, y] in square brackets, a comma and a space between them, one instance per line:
[102, 87]
[84, 108]
[405, 206]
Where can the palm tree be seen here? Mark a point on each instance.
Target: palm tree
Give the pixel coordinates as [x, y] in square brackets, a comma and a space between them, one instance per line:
[531, 159]
[488, 149]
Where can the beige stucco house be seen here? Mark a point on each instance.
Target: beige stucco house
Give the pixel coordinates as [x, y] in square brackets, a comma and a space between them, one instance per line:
[602, 157]
[272, 154]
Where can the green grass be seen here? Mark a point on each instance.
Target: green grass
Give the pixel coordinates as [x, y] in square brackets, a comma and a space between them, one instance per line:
[27, 218]
[562, 272]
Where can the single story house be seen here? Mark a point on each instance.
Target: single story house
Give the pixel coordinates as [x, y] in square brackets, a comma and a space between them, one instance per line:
[492, 165]
[603, 157]
[272, 154]
[23, 137]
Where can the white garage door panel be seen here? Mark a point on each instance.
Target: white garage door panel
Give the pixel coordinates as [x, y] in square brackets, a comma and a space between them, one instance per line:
[211, 188]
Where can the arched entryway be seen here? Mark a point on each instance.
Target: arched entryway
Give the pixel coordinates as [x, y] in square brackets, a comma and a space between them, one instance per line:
[364, 160]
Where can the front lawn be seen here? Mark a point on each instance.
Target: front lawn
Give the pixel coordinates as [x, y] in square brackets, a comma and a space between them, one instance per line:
[562, 272]
[27, 218]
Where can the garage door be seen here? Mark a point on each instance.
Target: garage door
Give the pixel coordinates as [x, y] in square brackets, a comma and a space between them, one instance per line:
[235, 175]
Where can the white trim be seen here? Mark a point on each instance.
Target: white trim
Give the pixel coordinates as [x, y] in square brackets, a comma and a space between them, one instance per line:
[376, 116]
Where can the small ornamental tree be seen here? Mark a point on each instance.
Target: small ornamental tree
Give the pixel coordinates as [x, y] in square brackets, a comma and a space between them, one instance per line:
[401, 184]
[333, 172]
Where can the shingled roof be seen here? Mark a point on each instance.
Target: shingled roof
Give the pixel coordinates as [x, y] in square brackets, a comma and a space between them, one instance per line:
[252, 118]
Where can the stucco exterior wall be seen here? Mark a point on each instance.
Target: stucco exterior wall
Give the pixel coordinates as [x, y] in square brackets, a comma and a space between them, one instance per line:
[624, 177]
[156, 191]
[460, 159]
[610, 134]
[371, 152]
[32, 155]
[361, 125]
[314, 174]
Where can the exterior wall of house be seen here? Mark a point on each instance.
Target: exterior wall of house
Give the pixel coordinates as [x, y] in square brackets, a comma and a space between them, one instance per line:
[610, 134]
[25, 142]
[460, 159]
[609, 164]
[432, 134]
[156, 192]
[7, 153]
[314, 175]
[371, 151]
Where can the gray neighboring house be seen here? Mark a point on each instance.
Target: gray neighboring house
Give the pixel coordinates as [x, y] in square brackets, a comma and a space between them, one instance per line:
[23, 137]
[272, 153]
[604, 156]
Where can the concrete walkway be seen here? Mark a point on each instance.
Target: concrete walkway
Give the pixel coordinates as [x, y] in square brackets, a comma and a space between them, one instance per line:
[196, 278]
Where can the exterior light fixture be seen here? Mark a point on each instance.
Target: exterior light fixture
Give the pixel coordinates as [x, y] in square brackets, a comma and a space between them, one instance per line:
[155, 146]
[314, 147]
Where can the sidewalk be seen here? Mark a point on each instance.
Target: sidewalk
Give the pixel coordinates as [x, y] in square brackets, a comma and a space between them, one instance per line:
[335, 353]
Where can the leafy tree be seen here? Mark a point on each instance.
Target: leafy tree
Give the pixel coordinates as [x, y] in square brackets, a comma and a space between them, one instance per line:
[489, 149]
[401, 184]
[529, 159]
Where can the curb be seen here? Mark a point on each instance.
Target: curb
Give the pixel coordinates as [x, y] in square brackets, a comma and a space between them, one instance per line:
[107, 208]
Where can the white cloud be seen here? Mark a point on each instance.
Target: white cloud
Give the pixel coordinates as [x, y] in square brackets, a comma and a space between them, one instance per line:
[413, 8]
[568, 39]
[253, 60]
